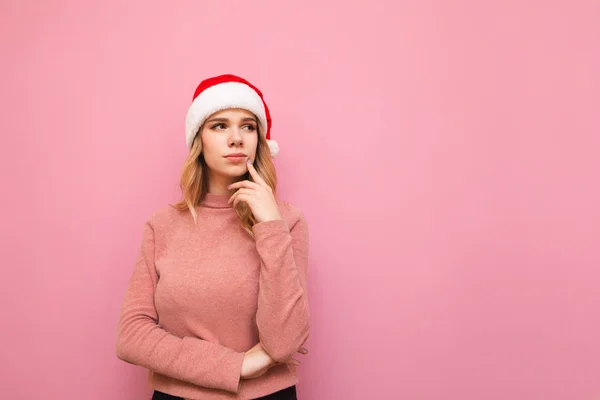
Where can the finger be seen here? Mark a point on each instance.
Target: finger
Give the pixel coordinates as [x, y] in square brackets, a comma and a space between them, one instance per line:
[241, 197]
[303, 350]
[233, 197]
[255, 175]
[245, 183]
[293, 361]
[238, 192]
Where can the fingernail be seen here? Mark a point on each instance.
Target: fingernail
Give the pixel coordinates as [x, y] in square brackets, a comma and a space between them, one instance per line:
[248, 161]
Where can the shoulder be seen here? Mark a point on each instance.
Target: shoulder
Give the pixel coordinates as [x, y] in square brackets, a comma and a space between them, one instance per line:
[166, 216]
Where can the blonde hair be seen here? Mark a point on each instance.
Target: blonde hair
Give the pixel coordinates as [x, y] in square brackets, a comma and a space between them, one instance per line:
[194, 180]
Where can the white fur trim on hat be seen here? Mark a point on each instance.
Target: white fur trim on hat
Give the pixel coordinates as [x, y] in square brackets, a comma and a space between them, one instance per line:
[221, 97]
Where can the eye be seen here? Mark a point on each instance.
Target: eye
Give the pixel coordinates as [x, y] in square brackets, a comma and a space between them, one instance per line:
[218, 126]
[250, 127]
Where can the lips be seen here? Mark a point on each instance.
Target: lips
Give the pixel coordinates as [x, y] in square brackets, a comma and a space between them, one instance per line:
[237, 158]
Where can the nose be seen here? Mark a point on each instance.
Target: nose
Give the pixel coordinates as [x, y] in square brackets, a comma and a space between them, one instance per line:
[235, 138]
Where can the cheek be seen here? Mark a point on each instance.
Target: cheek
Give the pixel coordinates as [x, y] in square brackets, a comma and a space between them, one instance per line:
[211, 146]
[253, 144]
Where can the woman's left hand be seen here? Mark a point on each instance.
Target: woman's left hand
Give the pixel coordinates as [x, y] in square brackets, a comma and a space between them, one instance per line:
[258, 195]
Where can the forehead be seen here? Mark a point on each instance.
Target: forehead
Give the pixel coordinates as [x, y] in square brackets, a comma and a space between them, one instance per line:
[233, 114]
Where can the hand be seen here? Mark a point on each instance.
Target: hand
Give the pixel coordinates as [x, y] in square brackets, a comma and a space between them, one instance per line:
[258, 348]
[256, 362]
[258, 195]
[291, 360]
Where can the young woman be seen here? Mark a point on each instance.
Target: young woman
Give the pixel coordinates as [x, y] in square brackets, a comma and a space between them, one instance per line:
[216, 307]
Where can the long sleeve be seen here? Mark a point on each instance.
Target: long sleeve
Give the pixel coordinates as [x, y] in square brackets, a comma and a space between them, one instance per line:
[141, 341]
[283, 313]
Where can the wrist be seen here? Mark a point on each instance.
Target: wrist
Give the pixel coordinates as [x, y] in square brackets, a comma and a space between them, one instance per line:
[272, 218]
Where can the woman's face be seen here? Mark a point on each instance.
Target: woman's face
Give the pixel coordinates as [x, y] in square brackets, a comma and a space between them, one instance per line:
[229, 139]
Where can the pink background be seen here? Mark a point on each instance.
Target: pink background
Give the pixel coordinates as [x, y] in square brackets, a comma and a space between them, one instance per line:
[446, 154]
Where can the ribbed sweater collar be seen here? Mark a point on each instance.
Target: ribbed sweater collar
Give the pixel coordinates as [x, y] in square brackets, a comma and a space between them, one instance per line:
[216, 201]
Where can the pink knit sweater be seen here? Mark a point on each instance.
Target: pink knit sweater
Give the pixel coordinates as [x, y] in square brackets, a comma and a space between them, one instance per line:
[201, 295]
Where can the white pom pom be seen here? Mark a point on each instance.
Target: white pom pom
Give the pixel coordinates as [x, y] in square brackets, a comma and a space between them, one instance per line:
[274, 147]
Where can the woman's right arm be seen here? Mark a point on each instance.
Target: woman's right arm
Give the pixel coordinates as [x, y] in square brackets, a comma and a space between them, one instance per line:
[141, 341]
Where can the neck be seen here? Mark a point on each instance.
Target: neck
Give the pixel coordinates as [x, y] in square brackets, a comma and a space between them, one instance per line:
[218, 184]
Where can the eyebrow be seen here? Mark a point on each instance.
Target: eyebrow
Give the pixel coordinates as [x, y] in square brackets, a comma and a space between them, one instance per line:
[227, 119]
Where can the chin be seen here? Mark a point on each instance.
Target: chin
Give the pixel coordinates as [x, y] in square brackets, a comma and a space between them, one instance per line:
[233, 171]
[226, 169]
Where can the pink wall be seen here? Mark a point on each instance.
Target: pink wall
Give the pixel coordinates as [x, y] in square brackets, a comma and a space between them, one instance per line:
[445, 154]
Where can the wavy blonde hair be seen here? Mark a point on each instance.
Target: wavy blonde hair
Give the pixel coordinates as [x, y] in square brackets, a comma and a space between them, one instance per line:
[194, 180]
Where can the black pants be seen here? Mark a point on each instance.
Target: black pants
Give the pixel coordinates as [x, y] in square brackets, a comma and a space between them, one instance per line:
[285, 394]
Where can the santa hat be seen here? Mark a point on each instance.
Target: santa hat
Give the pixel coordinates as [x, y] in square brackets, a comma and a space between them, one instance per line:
[223, 92]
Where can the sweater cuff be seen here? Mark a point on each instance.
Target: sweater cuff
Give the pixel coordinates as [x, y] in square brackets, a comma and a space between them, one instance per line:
[233, 379]
[269, 227]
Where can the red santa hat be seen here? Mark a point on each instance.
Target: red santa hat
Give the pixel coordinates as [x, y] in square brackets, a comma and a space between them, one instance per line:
[223, 92]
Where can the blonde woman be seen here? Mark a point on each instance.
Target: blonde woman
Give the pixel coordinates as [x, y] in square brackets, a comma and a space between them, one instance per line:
[216, 307]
